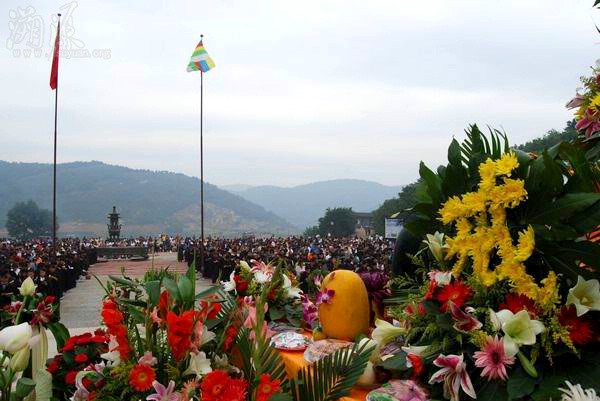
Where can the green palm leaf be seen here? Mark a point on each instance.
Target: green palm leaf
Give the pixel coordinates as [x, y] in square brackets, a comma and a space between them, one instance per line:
[333, 376]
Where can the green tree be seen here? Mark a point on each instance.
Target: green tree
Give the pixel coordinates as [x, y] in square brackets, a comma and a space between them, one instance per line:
[339, 222]
[552, 137]
[26, 220]
[311, 231]
[405, 200]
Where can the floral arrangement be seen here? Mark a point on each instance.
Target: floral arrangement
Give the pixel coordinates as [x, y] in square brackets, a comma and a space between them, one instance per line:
[502, 301]
[284, 301]
[24, 343]
[587, 115]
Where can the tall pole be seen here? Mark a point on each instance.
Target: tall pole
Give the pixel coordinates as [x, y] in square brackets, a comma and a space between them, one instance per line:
[201, 174]
[54, 165]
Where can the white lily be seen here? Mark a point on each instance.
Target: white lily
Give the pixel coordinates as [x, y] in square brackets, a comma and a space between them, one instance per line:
[291, 292]
[262, 277]
[585, 296]
[199, 365]
[13, 338]
[113, 357]
[385, 332]
[519, 329]
[418, 350]
[436, 245]
[27, 287]
[207, 335]
[20, 359]
[230, 285]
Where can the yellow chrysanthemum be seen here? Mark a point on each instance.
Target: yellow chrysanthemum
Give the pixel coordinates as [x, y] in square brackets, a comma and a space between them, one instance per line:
[594, 103]
[507, 163]
[480, 221]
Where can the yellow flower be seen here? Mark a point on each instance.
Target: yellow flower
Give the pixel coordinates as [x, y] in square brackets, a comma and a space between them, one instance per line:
[474, 202]
[526, 244]
[594, 103]
[507, 163]
[451, 210]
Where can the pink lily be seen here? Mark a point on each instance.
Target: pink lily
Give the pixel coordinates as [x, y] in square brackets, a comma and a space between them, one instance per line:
[163, 393]
[324, 296]
[589, 123]
[454, 374]
[463, 321]
[575, 102]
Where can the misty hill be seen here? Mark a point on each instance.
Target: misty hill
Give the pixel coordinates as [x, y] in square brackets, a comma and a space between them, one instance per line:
[303, 205]
[150, 202]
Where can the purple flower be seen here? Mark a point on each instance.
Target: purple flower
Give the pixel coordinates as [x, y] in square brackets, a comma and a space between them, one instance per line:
[162, 393]
[310, 312]
[375, 282]
[324, 296]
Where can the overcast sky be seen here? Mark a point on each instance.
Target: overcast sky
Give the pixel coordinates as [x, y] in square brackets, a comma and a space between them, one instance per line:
[302, 90]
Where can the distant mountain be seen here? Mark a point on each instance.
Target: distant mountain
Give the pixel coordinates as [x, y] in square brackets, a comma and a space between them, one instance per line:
[304, 204]
[150, 202]
[235, 187]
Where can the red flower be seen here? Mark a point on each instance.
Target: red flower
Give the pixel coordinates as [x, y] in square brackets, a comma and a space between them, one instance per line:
[431, 290]
[81, 358]
[457, 292]
[164, 304]
[518, 302]
[230, 335]
[417, 365]
[141, 377]
[580, 328]
[70, 377]
[50, 299]
[179, 332]
[54, 366]
[113, 319]
[236, 390]
[214, 385]
[241, 285]
[267, 387]
[42, 314]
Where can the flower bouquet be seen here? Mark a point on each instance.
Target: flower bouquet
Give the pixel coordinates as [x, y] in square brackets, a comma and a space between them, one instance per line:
[24, 343]
[284, 300]
[164, 342]
[502, 300]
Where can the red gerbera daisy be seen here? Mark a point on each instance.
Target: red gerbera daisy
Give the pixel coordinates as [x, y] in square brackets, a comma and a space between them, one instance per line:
[236, 390]
[417, 365]
[267, 387]
[518, 302]
[141, 377]
[214, 385]
[81, 358]
[580, 328]
[457, 292]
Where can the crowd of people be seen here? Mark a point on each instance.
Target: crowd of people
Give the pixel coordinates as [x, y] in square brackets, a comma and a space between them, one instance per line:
[303, 254]
[52, 275]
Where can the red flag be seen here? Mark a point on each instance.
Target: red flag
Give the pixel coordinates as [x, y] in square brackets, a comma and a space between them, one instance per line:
[54, 73]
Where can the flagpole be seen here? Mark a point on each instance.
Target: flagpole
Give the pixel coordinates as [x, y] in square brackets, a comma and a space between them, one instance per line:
[201, 173]
[54, 164]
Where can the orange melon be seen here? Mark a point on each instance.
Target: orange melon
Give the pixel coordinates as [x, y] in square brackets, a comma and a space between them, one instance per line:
[348, 313]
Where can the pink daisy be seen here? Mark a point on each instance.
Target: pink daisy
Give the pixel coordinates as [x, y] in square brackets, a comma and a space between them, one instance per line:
[493, 359]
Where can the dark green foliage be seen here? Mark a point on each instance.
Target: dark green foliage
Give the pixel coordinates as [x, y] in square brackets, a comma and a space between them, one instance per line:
[339, 222]
[311, 231]
[26, 220]
[562, 204]
[551, 138]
